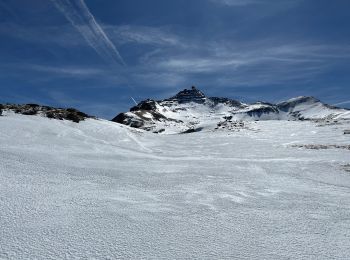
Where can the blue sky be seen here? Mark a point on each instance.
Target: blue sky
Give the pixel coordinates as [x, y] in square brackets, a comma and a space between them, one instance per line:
[95, 54]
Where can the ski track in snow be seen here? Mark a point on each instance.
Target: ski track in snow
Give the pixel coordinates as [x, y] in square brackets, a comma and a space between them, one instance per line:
[99, 190]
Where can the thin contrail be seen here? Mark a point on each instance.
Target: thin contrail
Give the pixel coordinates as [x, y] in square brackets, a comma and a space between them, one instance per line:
[134, 100]
[78, 14]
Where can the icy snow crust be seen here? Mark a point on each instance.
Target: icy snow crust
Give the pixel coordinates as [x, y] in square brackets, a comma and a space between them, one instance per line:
[100, 190]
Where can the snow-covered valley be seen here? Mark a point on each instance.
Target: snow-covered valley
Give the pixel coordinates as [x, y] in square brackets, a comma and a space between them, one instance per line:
[101, 190]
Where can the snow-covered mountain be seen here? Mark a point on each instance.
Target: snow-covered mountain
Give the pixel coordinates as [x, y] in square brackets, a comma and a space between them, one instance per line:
[190, 110]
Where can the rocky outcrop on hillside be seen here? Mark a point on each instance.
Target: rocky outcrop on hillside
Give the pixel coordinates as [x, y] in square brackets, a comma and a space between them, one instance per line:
[70, 114]
[189, 95]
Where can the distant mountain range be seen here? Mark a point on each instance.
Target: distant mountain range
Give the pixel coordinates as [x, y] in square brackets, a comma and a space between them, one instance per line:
[191, 110]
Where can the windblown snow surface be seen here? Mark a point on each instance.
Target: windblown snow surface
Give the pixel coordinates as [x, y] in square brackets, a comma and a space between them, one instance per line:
[100, 190]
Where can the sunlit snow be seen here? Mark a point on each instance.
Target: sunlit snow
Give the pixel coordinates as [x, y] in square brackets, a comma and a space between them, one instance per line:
[102, 190]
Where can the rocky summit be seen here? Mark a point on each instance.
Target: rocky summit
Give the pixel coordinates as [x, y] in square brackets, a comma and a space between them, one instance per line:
[191, 110]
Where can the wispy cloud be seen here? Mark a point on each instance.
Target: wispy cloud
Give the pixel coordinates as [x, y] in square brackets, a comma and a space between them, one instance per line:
[236, 2]
[242, 3]
[342, 103]
[167, 58]
[67, 70]
[255, 10]
[63, 36]
[220, 58]
[59, 70]
[143, 35]
[66, 36]
[266, 62]
[43, 73]
[78, 14]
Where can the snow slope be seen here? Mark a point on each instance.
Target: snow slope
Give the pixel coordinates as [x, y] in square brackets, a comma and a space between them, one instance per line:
[100, 190]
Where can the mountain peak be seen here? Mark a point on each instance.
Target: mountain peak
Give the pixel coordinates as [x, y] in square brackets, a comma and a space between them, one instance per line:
[189, 95]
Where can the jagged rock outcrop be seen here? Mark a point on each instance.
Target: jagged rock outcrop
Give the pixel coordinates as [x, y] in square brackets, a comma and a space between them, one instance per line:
[145, 105]
[189, 95]
[70, 114]
[226, 101]
[258, 112]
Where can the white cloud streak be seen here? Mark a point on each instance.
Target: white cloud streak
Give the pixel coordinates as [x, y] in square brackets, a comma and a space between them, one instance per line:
[67, 70]
[343, 103]
[143, 35]
[235, 2]
[222, 58]
[78, 14]
[171, 59]
[243, 3]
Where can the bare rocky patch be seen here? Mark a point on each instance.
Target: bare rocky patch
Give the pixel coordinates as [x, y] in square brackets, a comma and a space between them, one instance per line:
[346, 167]
[232, 125]
[322, 146]
[70, 114]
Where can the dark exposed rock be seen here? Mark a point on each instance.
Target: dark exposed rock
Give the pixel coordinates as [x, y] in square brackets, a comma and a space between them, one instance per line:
[30, 112]
[226, 101]
[120, 118]
[75, 116]
[322, 146]
[145, 105]
[125, 119]
[346, 167]
[189, 95]
[157, 116]
[346, 132]
[159, 131]
[262, 110]
[192, 130]
[70, 114]
[144, 114]
[230, 125]
[287, 105]
[35, 105]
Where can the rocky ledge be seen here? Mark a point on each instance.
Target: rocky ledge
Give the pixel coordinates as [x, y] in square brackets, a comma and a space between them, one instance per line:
[70, 114]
